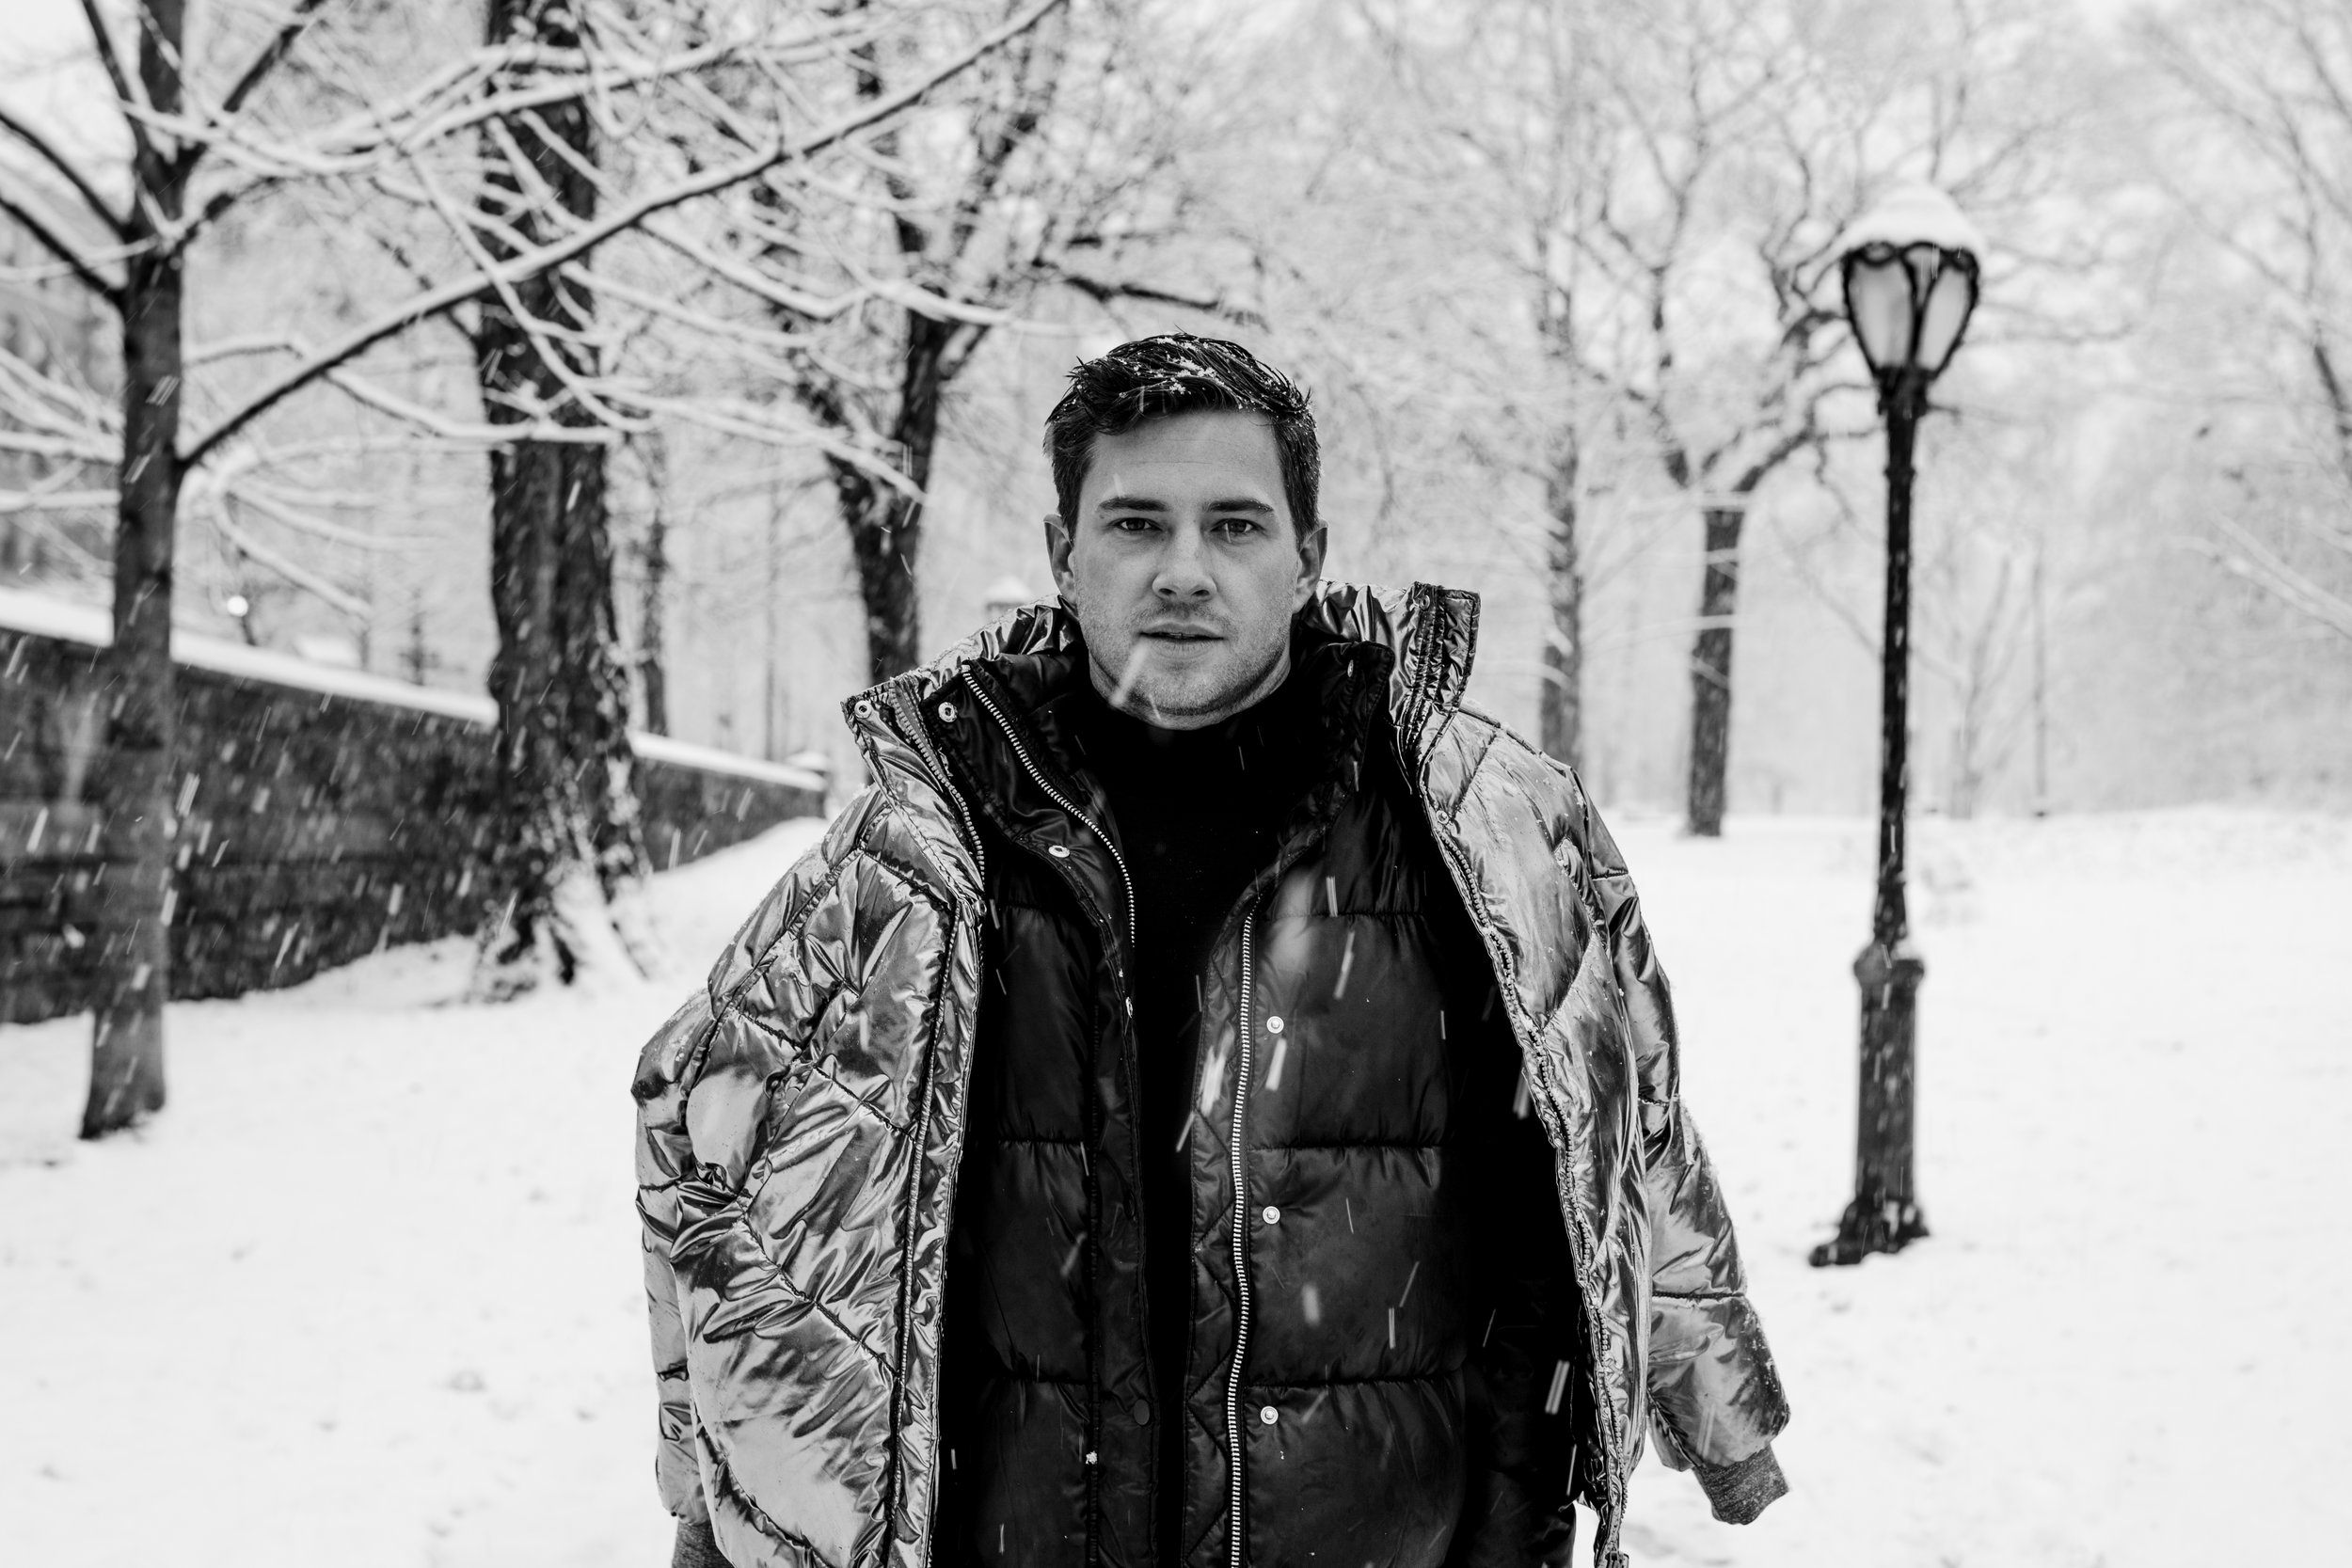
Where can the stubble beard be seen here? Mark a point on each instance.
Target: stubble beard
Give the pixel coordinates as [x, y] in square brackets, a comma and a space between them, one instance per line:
[1168, 710]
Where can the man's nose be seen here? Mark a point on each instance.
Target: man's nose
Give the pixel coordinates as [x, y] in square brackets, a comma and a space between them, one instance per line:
[1183, 574]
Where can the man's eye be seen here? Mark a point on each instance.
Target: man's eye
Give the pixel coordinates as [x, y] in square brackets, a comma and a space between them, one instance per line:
[1133, 525]
[1237, 526]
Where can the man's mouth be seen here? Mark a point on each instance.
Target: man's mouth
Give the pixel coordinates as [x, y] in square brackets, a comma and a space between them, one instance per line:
[1181, 634]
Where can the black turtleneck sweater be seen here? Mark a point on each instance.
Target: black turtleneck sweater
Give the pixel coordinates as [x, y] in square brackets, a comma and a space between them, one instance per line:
[1199, 814]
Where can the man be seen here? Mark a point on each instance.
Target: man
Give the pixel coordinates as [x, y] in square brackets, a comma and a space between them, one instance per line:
[1209, 1100]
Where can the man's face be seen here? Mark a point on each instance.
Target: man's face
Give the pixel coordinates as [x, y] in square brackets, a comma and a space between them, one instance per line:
[1185, 566]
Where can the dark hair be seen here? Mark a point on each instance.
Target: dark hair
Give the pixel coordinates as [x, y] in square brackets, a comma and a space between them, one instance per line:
[1155, 378]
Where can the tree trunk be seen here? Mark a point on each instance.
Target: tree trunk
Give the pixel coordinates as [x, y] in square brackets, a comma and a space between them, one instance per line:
[417, 657]
[2041, 685]
[1967, 778]
[885, 531]
[1563, 726]
[1711, 670]
[566, 833]
[134, 790]
[771, 659]
[652, 675]
[886, 524]
[567, 841]
[1978, 754]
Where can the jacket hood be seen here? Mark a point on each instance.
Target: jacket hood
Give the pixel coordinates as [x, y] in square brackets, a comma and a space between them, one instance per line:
[1431, 630]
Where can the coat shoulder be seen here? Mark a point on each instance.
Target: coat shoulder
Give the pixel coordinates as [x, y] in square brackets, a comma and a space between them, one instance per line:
[1475, 755]
[874, 857]
[873, 829]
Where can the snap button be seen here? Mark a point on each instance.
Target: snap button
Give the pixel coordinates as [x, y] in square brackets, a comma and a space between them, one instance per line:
[1271, 1214]
[864, 710]
[1057, 851]
[947, 713]
[1089, 1456]
[1142, 1413]
[1274, 1024]
[1265, 1414]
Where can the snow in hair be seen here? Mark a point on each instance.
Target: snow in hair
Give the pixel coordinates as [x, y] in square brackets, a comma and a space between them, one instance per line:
[1178, 372]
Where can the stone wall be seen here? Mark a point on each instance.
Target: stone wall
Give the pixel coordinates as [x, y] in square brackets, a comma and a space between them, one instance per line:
[325, 812]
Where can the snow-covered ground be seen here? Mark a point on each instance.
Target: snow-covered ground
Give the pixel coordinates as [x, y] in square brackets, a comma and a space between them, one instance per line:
[366, 1294]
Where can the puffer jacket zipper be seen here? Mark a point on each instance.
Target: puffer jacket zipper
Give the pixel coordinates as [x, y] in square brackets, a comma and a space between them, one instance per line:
[1037, 778]
[911, 721]
[1241, 1233]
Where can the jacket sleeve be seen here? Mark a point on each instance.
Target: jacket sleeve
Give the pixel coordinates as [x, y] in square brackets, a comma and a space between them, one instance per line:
[1715, 1398]
[665, 1159]
[779, 999]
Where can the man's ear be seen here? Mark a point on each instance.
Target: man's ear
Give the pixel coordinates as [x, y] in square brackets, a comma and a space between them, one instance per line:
[1310, 550]
[1057, 542]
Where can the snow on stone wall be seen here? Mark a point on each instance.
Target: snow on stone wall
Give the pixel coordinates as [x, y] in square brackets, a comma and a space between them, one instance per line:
[325, 812]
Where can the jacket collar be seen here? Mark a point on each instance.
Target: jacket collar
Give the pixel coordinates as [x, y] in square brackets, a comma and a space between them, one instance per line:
[1431, 632]
[1004, 728]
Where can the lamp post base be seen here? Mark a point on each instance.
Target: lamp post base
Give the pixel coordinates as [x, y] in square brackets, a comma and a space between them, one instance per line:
[1888, 1226]
[1884, 1214]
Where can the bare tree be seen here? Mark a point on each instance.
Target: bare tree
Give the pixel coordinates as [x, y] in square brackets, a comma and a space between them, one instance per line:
[1036, 174]
[653, 554]
[1664, 185]
[1536, 145]
[1694, 96]
[199, 152]
[2271, 81]
[1984, 569]
[1729, 147]
[568, 842]
[140, 274]
[1483, 115]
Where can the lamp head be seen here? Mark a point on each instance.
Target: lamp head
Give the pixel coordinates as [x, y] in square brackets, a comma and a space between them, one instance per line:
[1909, 268]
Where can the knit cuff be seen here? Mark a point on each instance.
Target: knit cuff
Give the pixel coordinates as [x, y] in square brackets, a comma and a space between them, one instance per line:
[697, 1547]
[1738, 1491]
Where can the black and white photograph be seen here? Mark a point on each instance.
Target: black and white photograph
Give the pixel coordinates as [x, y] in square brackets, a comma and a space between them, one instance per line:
[998, 783]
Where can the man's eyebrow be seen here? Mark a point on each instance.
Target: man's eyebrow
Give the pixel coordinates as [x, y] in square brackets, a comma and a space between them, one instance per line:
[1145, 503]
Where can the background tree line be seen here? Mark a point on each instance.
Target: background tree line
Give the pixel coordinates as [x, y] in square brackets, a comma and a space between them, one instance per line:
[681, 365]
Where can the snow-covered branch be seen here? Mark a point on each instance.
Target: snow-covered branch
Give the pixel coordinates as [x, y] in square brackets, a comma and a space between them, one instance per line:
[2247, 556]
[48, 151]
[41, 499]
[297, 21]
[82, 268]
[625, 216]
[758, 422]
[130, 92]
[285, 565]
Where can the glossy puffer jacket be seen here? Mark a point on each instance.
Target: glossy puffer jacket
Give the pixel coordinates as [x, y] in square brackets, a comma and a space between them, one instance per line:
[805, 1122]
[1376, 1327]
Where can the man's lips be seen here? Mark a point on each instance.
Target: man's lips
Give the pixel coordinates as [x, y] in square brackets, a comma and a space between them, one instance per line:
[1182, 634]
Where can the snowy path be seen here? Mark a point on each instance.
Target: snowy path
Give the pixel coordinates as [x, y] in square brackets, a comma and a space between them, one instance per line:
[368, 1295]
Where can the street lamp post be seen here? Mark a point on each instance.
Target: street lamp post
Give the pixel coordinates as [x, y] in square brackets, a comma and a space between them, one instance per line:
[1909, 268]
